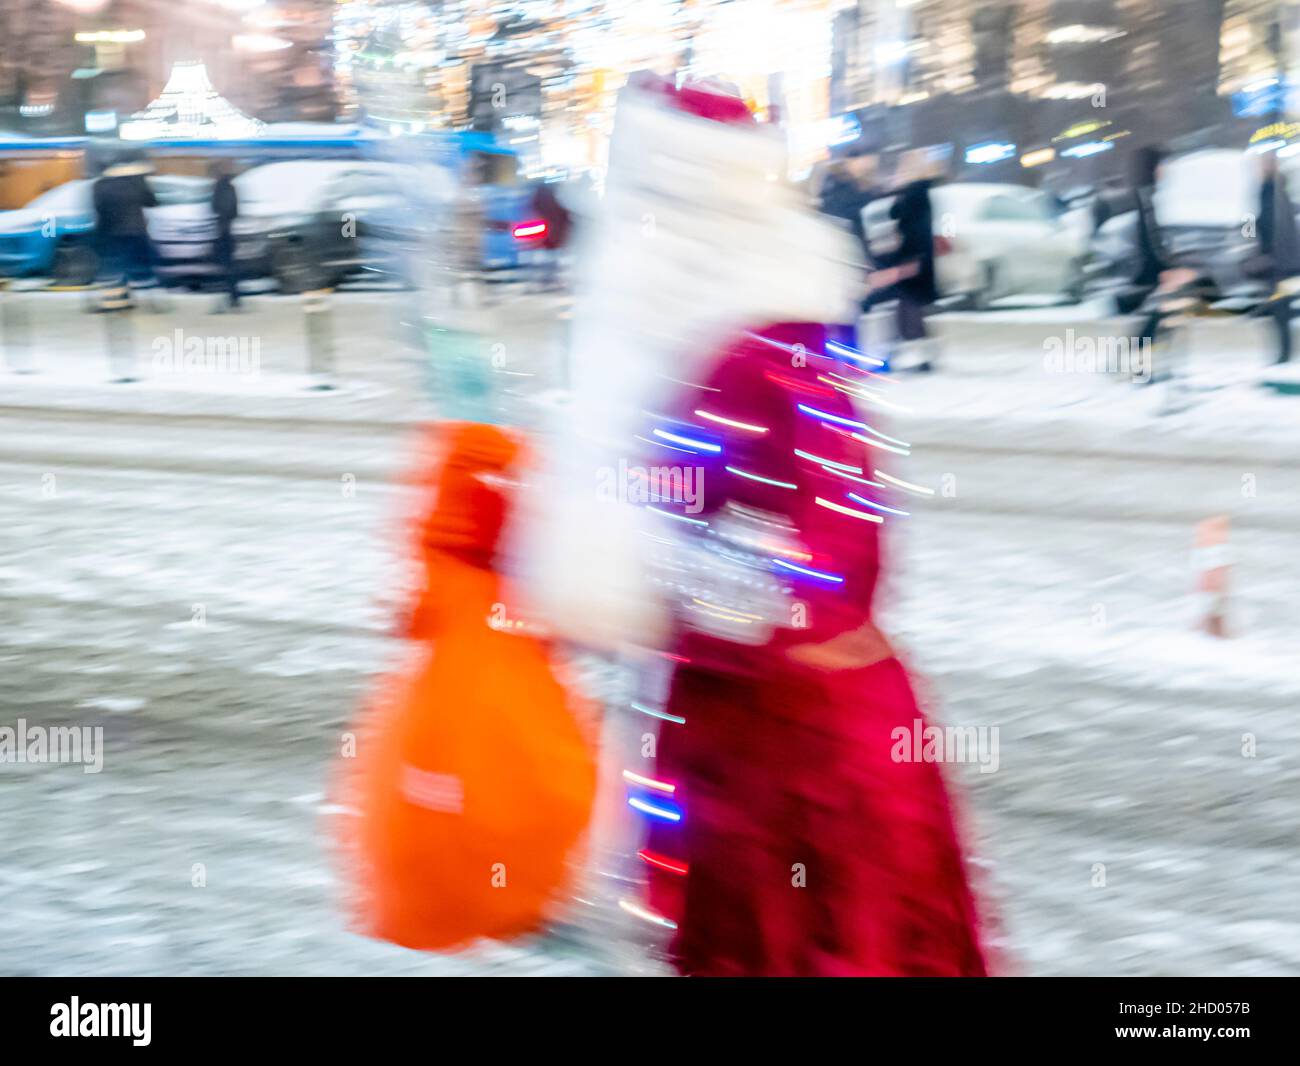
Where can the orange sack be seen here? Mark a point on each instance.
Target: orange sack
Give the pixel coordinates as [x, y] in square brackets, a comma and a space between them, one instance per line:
[472, 779]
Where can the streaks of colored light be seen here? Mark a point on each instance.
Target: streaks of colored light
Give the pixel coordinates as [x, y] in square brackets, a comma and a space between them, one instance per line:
[643, 709]
[662, 861]
[731, 423]
[820, 461]
[841, 509]
[688, 442]
[648, 782]
[821, 575]
[637, 911]
[877, 506]
[906, 486]
[759, 478]
[667, 812]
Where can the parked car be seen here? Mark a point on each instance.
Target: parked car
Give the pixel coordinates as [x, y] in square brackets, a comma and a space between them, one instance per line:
[445, 163]
[313, 223]
[508, 206]
[995, 241]
[305, 223]
[54, 234]
[1202, 202]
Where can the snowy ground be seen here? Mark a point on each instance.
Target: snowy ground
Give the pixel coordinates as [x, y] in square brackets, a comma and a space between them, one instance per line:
[1049, 595]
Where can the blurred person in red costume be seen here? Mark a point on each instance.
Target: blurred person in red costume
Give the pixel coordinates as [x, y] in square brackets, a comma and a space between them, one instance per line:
[787, 835]
[801, 845]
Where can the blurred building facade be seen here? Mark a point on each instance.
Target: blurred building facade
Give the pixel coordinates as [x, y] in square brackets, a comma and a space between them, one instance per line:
[997, 80]
[1058, 80]
[62, 59]
[544, 74]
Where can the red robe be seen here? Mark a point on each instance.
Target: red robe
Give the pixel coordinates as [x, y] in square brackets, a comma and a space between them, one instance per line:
[809, 850]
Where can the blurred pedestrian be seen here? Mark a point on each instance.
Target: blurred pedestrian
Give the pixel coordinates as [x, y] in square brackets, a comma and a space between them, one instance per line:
[808, 842]
[225, 209]
[1157, 277]
[786, 837]
[849, 186]
[120, 197]
[547, 207]
[1107, 201]
[1152, 257]
[1278, 261]
[907, 273]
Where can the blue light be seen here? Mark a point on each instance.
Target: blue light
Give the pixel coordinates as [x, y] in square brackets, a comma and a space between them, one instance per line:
[698, 445]
[821, 575]
[845, 352]
[1082, 151]
[666, 811]
[842, 129]
[878, 506]
[1261, 98]
[825, 417]
[990, 152]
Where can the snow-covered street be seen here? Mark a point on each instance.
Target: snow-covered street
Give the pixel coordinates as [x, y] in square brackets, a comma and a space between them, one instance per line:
[205, 569]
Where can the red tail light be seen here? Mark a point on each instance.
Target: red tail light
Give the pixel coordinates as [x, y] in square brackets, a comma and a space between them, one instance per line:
[529, 231]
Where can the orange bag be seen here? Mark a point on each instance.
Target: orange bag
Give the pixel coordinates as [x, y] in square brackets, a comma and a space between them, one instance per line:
[473, 781]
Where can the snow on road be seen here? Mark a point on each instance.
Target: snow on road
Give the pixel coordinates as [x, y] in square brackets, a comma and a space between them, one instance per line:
[212, 596]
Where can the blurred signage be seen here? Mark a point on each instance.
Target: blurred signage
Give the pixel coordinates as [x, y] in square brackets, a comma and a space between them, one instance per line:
[1262, 98]
[1081, 129]
[503, 97]
[1275, 131]
[990, 152]
[110, 37]
[101, 121]
[1037, 157]
[842, 129]
[1087, 148]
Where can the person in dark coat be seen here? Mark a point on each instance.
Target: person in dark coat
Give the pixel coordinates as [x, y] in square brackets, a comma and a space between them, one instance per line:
[907, 273]
[914, 259]
[1153, 259]
[120, 197]
[1279, 250]
[1110, 199]
[849, 186]
[1156, 275]
[546, 205]
[225, 208]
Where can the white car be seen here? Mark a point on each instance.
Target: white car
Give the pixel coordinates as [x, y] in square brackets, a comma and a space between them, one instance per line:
[993, 241]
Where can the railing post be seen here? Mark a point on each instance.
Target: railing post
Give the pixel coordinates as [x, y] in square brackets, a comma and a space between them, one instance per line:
[318, 325]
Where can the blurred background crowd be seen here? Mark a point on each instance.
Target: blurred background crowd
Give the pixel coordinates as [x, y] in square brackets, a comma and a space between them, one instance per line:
[1035, 111]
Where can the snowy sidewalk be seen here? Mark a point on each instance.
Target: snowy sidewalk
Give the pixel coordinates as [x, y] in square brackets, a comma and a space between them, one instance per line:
[992, 376]
[255, 364]
[1051, 595]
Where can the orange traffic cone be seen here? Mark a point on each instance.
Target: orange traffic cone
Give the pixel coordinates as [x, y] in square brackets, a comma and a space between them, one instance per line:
[1213, 561]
